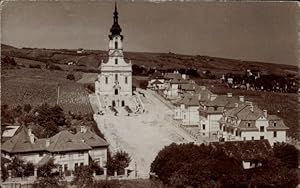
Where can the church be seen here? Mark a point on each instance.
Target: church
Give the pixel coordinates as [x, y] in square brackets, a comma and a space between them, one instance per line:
[114, 82]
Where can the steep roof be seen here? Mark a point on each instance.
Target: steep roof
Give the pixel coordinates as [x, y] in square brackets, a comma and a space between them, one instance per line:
[156, 82]
[246, 150]
[189, 100]
[91, 139]
[61, 142]
[173, 76]
[21, 143]
[224, 101]
[65, 141]
[248, 115]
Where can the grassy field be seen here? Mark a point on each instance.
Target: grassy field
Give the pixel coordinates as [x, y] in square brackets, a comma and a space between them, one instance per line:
[36, 86]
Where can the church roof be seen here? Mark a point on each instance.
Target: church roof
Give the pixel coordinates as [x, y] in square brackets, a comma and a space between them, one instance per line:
[115, 28]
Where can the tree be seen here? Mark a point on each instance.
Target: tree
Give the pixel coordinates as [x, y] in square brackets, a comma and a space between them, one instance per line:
[70, 77]
[47, 178]
[287, 154]
[17, 167]
[29, 169]
[50, 118]
[118, 162]
[4, 171]
[27, 108]
[83, 176]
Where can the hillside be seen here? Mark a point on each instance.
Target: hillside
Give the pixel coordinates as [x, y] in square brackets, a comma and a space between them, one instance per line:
[91, 59]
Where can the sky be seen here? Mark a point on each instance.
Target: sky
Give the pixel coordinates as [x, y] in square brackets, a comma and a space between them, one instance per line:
[253, 31]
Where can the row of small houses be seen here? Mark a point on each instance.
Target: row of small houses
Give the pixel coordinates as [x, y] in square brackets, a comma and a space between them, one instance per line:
[218, 117]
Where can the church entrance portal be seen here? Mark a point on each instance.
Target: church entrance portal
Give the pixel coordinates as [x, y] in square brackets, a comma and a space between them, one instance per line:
[116, 91]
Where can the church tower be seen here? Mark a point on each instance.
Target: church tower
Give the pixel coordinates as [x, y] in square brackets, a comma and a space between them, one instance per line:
[115, 78]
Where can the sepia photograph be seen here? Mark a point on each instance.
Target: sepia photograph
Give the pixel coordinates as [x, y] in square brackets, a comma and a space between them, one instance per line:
[150, 94]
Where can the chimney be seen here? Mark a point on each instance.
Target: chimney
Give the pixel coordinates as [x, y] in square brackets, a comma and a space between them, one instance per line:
[29, 132]
[82, 129]
[236, 105]
[229, 94]
[213, 97]
[82, 140]
[31, 138]
[265, 113]
[251, 108]
[242, 98]
[203, 87]
[47, 142]
[183, 76]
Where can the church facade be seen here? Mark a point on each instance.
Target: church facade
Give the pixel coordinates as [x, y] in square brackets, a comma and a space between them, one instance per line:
[114, 82]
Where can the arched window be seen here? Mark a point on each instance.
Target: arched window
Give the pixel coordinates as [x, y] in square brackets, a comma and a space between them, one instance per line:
[116, 44]
[126, 80]
[106, 80]
[116, 77]
[116, 61]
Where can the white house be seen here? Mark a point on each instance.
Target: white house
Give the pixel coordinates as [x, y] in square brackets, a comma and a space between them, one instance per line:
[211, 111]
[67, 150]
[248, 122]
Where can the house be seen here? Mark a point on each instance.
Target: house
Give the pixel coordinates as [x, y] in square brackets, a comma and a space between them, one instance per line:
[249, 154]
[248, 122]
[67, 150]
[173, 88]
[99, 146]
[211, 111]
[187, 108]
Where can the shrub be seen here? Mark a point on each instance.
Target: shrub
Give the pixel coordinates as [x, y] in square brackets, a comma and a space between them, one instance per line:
[35, 66]
[83, 176]
[70, 77]
[54, 67]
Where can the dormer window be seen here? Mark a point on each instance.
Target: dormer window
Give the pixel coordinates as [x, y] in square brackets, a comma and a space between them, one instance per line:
[249, 125]
[215, 108]
[274, 124]
[116, 45]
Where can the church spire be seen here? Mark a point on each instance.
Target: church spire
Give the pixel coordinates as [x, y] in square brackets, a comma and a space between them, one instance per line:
[115, 28]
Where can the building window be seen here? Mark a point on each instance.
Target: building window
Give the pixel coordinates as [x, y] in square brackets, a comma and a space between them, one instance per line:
[252, 138]
[262, 129]
[249, 125]
[80, 154]
[41, 154]
[126, 79]
[236, 133]
[116, 77]
[62, 155]
[116, 61]
[244, 138]
[106, 80]
[81, 164]
[262, 137]
[274, 134]
[203, 127]
[65, 167]
[116, 45]
[215, 108]
[274, 124]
